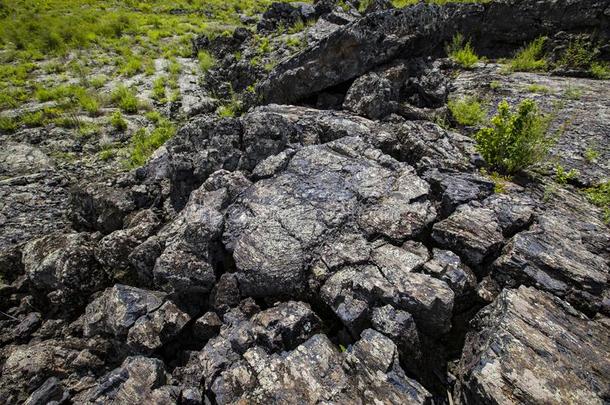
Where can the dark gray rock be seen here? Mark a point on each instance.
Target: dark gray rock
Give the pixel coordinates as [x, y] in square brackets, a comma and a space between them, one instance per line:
[552, 256]
[138, 379]
[118, 308]
[354, 290]
[316, 372]
[207, 326]
[285, 326]
[530, 347]
[285, 14]
[63, 267]
[400, 327]
[448, 267]
[471, 231]
[114, 249]
[26, 369]
[97, 207]
[380, 37]
[49, 393]
[153, 330]
[455, 188]
[276, 225]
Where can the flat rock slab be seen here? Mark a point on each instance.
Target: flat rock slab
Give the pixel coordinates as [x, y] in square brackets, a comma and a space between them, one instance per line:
[530, 347]
[581, 105]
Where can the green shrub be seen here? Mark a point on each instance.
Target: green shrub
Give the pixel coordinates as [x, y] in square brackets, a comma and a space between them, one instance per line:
[467, 111]
[515, 141]
[562, 176]
[579, 55]
[117, 121]
[461, 52]
[206, 60]
[530, 58]
[125, 99]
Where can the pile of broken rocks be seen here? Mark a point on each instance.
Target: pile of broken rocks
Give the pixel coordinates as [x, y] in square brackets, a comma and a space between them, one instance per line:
[313, 253]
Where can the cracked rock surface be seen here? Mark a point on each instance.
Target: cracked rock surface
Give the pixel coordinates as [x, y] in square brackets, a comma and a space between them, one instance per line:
[344, 252]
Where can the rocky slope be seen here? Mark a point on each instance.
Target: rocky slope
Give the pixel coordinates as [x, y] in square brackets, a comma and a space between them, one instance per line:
[334, 244]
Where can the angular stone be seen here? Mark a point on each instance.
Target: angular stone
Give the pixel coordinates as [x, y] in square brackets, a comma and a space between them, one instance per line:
[285, 326]
[470, 231]
[153, 330]
[134, 381]
[118, 308]
[63, 266]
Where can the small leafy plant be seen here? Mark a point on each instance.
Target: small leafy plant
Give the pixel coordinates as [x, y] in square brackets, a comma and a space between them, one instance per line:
[461, 52]
[117, 121]
[515, 140]
[467, 111]
[600, 196]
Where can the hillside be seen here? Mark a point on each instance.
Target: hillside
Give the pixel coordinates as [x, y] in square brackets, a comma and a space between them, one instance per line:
[329, 201]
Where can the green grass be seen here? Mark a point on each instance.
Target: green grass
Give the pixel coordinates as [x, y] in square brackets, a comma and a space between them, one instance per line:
[600, 70]
[573, 93]
[530, 58]
[467, 111]
[158, 89]
[206, 60]
[461, 52]
[143, 144]
[538, 88]
[117, 121]
[8, 124]
[125, 99]
[562, 176]
[600, 196]
[516, 139]
[591, 154]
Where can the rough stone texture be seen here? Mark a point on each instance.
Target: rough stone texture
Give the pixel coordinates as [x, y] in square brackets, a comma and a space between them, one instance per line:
[63, 266]
[471, 231]
[118, 308]
[138, 379]
[317, 372]
[553, 257]
[276, 225]
[422, 30]
[529, 347]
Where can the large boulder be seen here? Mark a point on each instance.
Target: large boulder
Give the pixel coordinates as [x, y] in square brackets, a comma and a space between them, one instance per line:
[317, 372]
[276, 226]
[530, 347]
[138, 379]
[139, 317]
[63, 267]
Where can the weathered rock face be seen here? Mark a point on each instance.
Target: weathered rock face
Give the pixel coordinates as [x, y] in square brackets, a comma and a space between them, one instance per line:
[552, 257]
[422, 30]
[316, 255]
[276, 226]
[63, 266]
[529, 347]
